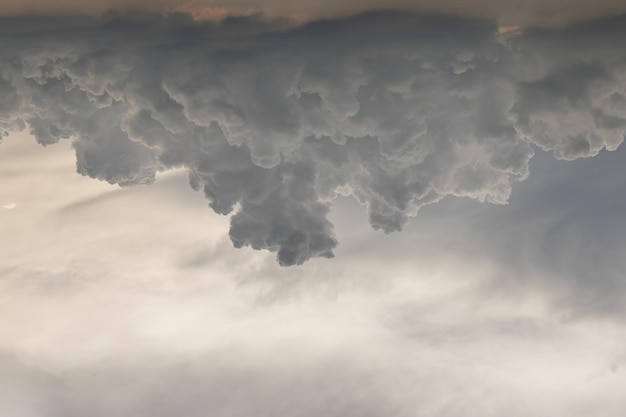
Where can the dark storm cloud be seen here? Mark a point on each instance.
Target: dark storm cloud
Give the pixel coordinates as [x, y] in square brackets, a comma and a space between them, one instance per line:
[574, 104]
[506, 12]
[272, 121]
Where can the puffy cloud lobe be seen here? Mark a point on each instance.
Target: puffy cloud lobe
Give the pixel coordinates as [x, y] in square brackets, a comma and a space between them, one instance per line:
[272, 121]
[574, 111]
[571, 98]
[9, 107]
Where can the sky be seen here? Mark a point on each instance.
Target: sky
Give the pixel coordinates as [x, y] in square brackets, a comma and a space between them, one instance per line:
[323, 209]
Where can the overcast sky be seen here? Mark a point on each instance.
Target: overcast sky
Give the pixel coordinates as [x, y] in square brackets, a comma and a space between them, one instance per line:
[382, 214]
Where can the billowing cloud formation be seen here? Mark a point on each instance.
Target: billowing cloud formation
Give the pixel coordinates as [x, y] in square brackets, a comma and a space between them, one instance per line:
[273, 121]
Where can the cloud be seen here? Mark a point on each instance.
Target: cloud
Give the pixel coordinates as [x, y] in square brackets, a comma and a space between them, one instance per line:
[573, 101]
[272, 120]
[560, 237]
[325, 358]
[120, 314]
[507, 12]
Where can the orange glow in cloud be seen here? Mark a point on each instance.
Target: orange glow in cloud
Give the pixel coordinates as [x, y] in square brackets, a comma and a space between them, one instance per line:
[205, 13]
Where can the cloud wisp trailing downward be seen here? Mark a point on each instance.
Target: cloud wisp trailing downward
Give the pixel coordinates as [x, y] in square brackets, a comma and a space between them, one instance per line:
[273, 120]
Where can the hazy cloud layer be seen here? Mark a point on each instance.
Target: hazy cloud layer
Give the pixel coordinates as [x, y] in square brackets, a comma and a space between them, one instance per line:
[132, 302]
[273, 121]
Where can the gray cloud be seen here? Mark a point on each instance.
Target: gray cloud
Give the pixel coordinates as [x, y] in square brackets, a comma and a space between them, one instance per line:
[507, 12]
[272, 121]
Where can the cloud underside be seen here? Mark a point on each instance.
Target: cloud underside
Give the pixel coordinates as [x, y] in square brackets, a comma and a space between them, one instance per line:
[273, 121]
[506, 12]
